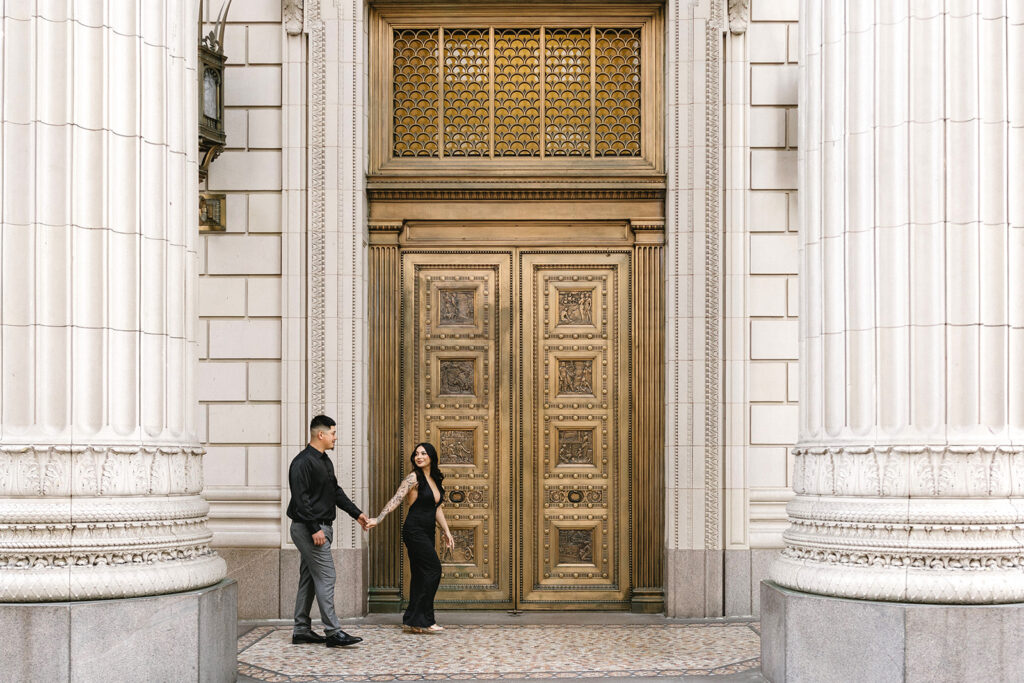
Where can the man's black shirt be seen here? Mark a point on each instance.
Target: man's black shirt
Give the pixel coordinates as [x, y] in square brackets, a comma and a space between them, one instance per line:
[315, 490]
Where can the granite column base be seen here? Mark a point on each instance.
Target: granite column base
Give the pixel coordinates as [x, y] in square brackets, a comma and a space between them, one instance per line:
[807, 637]
[189, 636]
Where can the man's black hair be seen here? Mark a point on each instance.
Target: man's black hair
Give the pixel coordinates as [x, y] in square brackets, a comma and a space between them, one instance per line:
[321, 422]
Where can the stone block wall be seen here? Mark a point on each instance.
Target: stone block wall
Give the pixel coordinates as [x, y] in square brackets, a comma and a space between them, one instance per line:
[762, 339]
[240, 301]
[772, 223]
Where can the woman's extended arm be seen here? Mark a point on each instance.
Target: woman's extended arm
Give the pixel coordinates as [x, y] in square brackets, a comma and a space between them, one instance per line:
[396, 499]
[439, 516]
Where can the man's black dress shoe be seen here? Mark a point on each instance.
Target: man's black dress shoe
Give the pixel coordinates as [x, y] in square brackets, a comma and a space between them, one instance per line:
[341, 639]
[309, 637]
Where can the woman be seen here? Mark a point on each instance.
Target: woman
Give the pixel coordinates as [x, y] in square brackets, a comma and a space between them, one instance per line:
[426, 497]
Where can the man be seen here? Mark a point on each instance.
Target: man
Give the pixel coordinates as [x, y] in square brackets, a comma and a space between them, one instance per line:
[315, 493]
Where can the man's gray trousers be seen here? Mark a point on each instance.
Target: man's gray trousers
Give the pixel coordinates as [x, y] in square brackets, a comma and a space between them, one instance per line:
[316, 578]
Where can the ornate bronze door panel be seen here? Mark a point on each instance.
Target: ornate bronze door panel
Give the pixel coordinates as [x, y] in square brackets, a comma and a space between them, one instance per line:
[527, 399]
[575, 434]
[457, 394]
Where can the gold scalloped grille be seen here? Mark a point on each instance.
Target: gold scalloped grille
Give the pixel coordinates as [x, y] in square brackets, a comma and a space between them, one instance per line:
[567, 92]
[416, 98]
[617, 93]
[466, 93]
[517, 92]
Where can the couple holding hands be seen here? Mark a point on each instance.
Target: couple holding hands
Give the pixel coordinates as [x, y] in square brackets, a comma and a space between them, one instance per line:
[314, 496]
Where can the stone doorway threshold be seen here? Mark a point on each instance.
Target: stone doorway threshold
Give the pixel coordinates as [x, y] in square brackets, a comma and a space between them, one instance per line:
[607, 646]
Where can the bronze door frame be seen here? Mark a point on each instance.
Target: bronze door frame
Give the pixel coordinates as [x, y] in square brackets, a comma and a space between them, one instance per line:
[640, 549]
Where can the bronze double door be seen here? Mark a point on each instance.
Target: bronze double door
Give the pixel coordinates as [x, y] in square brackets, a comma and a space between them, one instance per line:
[515, 365]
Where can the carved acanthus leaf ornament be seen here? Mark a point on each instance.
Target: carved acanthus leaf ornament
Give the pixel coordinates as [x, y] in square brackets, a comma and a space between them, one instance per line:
[101, 521]
[937, 524]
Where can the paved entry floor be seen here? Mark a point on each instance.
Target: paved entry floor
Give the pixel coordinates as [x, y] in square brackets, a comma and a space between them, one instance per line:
[495, 646]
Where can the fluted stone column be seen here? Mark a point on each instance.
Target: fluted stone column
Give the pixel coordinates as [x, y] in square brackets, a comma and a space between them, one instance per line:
[909, 471]
[100, 467]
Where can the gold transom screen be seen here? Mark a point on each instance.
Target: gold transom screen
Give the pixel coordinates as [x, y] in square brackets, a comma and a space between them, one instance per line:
[517, 92]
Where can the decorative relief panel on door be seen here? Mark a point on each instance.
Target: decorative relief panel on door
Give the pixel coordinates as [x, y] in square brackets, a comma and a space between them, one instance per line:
[457, 446]
[575, 427]
[456, 354]
[576, 553]
[458, 376]
[575, 446]
[457, 307]
[576, 307]
[464, 552]
[576, 546]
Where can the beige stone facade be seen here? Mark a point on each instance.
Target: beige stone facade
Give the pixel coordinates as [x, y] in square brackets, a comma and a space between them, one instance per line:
[292, 127]
[286, 297]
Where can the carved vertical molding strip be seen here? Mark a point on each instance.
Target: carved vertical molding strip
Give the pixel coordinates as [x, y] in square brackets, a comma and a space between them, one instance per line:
[647, 476]
[317, 208]
[712, 276]
[385, 449]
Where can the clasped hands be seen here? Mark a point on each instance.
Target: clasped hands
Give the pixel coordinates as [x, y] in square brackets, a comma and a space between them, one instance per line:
[368, 524]
[319, 538]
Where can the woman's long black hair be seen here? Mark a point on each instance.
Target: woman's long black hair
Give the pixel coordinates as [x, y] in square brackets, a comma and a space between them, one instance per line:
[435, 471]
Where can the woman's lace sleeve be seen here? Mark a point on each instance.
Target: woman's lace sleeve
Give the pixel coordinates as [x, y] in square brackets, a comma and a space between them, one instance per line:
[396, 499]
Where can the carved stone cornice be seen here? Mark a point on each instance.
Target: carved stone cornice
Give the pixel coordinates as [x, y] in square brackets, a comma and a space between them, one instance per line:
[108, 547]
[475, 194]
[101, 557]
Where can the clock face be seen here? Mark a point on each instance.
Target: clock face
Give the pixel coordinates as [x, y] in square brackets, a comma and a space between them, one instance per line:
[210, 82]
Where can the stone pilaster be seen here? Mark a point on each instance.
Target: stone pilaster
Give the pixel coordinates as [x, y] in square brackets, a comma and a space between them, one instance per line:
[693, 309]
[100, 468]
[909, 471]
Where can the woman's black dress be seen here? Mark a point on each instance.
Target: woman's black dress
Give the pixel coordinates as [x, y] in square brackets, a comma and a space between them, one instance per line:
[424, 564]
